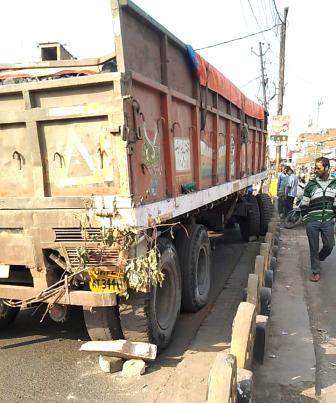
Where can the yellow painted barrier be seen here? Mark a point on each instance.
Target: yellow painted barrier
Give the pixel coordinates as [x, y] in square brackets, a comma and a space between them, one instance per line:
[273, 187]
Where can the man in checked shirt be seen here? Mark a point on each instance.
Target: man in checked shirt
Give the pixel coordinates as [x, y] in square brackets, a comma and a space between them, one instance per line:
[318, 209]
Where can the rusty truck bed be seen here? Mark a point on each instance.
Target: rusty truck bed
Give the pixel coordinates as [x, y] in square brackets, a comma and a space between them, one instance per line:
[154, 140]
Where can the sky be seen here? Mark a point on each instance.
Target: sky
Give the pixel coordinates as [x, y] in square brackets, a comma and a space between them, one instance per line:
[85, 28]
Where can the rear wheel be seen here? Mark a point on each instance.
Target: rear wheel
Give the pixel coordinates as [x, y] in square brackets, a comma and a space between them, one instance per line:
[151, 317]
[250, 225]
[102, 322]
[194, 253]
[269, 201]
[7, 314]
[265, 209]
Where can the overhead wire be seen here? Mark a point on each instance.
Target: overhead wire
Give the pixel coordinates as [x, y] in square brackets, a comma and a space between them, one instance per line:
[276, 9]
[264, 11]
[275, 19]
[244, 16]
[236, 39]
[249, 82]
[256, 20]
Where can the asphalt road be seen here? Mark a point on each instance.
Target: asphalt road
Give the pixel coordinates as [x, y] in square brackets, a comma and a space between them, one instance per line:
[41, 362]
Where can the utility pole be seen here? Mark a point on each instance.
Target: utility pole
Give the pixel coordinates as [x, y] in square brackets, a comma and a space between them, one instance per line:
[281, 76]
[263, 76]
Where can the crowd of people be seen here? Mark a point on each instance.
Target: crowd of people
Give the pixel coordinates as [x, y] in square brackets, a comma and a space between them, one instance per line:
[289, 187]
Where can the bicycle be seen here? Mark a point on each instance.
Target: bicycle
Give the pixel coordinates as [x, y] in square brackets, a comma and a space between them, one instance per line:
[294, 217]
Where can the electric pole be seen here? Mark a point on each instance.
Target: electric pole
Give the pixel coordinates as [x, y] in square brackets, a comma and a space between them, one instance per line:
[281, 77]
[263, 77]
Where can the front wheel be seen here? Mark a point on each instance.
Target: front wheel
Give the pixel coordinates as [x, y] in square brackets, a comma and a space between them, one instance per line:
[293, 219]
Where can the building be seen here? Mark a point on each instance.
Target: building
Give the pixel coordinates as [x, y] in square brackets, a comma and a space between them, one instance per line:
[313, 145]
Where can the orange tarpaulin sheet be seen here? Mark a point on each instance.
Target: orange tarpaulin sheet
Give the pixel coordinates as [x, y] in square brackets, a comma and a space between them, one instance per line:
[217, 82]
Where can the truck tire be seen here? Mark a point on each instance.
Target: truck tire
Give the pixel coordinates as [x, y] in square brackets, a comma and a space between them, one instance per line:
[250, 225]
[265, 210]
[151, 317]
[268, 198]
[194, 254]
[102, 322]
[7, 314]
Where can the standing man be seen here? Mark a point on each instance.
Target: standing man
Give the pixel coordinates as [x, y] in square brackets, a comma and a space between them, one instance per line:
[318, 210]
[282, 179]
[290, 190]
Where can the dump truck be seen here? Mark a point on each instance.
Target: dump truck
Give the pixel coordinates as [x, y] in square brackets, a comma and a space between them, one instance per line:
[113, 172]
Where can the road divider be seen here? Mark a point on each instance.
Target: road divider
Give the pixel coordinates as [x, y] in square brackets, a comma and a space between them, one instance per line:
[231, 378]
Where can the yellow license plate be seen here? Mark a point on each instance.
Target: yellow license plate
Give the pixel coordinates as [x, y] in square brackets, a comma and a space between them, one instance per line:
[104, 281]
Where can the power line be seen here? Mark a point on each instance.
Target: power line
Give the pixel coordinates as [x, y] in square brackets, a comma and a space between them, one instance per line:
[249, 82]
[276, 9]
[274, 16]
[255, 17]
[238, 39]
[263, 11]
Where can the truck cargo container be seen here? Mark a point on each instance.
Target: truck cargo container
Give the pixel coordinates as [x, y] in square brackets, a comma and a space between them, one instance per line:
[112, 172]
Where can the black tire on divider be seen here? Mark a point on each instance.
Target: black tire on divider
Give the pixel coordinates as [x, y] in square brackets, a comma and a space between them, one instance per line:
[7, 314]
[250, 225]
[151, 317]
[102, 322]
[265, 212]
[265, 298]
[194, 254]
[268, 279]
[273, 264]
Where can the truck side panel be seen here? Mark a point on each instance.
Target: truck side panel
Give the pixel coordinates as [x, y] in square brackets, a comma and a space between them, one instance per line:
[62, 138]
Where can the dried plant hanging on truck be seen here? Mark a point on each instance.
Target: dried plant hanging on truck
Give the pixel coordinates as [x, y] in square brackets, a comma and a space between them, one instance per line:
[139, 273]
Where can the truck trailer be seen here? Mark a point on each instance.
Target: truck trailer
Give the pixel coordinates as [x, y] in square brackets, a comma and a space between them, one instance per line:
[113, 170]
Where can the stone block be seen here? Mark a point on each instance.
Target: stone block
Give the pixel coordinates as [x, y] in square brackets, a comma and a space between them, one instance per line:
[110, 364]
[133, 368]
